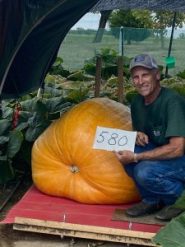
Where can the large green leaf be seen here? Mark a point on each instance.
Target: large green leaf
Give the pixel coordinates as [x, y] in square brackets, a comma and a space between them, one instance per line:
[24, 115]
[56, 104]
[27, 105]
[6, 170]
[180, 203]
[32, 105]
[7, 113]
[33, 132]
[78, 95]
[5, 125]
[14, 144]
[22, 126]
[3, 139]
[39, 107]
[52, 91]
[38, 122]
[3, 158]
[173, 234]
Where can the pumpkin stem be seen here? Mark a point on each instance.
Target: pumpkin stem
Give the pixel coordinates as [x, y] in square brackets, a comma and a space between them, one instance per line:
[74, 169]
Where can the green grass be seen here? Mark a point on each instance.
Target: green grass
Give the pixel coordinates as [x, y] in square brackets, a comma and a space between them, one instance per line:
[76, 48]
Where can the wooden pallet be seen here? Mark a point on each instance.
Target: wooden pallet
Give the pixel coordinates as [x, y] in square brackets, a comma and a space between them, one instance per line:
[84, 231]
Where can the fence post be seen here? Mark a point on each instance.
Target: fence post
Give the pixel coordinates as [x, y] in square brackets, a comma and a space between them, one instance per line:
[121, 42]
[98, 76]
[120, 79]
[171, 41]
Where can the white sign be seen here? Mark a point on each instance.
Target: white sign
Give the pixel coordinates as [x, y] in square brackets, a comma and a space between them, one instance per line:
[114, 139]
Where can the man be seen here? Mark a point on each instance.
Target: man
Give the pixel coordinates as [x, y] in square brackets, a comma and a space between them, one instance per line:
[158, 164]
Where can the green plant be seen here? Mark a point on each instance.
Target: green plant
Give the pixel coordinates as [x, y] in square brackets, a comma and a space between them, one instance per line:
[57, 68]
[10, 143]
[172, 235]
[80, 76]
[181, 74]
[109, 63]
[78, 95]
[20, 128]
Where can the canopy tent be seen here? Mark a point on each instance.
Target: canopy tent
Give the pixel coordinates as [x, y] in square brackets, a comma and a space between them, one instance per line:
[171, 5]
[31, 32]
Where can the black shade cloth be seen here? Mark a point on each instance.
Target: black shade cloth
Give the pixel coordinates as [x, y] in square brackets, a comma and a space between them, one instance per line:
[171, 5]
[31, 32]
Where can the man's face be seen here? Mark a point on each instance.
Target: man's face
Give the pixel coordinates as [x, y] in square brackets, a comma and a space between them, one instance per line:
[146, 81]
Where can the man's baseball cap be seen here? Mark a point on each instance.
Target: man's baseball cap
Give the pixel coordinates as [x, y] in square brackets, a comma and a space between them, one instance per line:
[143, 60]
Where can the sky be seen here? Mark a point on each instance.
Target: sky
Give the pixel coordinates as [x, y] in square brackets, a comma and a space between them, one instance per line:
[88, 21]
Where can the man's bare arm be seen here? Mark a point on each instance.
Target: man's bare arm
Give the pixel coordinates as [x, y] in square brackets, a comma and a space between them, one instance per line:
[175, 148]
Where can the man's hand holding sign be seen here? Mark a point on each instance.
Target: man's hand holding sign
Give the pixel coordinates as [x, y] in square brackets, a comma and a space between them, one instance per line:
[126, 156]
[119, 141]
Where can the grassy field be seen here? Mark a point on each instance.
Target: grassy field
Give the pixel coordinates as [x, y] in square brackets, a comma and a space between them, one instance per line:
[76, 48]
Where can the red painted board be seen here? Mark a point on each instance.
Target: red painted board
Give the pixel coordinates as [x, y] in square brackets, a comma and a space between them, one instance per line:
[37, 205]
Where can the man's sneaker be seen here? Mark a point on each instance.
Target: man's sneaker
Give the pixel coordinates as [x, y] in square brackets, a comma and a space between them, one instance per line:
[141, 209]
[168, 212]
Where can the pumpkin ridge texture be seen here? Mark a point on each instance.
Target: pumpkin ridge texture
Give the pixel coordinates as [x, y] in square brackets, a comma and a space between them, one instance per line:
[64, 163]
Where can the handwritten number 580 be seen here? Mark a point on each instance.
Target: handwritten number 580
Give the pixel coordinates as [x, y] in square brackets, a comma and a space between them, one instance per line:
[113, 140]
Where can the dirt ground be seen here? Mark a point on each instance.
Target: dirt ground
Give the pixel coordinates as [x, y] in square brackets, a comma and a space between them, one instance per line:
[13, 238]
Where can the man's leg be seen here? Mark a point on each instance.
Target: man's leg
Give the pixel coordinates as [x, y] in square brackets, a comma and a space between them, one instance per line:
[157, 181]
[165, 180]
[152, 203]
[130, 170]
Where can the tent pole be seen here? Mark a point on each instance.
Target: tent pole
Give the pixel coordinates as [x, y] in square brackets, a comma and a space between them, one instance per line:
[171, 39]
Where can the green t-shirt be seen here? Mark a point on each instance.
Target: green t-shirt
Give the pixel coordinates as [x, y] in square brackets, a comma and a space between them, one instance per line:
[163, 118]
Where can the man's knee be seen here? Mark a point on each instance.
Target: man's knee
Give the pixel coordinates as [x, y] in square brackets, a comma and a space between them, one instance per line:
[144, 173]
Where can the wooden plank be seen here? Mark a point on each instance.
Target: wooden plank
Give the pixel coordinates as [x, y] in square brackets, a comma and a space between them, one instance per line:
[98, 76]
[84, 231]
[120, 80]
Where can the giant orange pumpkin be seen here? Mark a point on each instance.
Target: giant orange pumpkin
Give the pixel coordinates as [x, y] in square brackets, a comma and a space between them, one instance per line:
[65, 164]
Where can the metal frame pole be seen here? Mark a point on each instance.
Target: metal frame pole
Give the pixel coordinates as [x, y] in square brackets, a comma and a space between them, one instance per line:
[171, 40]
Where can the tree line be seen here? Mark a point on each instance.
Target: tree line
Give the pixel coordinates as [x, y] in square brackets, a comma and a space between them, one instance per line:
[145, 19]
